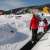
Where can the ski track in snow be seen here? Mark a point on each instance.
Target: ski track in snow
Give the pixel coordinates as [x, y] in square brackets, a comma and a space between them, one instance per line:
[44, 43]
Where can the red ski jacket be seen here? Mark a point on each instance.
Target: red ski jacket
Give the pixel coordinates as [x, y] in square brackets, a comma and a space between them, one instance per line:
[34, 23]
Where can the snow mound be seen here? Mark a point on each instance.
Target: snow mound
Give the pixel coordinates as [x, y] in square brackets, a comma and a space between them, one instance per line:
[6, 32]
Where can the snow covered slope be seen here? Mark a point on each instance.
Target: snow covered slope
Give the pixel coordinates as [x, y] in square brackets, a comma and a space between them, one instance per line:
[20, 26]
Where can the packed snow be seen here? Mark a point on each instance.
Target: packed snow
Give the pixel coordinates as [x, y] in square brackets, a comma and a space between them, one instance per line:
[44, 43]
[20, 25]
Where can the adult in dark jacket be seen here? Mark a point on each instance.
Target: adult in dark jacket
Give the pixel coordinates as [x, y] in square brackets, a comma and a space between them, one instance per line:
[34, 27]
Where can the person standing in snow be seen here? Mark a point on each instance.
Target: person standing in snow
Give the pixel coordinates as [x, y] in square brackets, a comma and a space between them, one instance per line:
[41, 27]
[34, 27]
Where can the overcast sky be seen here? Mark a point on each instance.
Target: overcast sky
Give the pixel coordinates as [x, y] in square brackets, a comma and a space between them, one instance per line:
[10, 4]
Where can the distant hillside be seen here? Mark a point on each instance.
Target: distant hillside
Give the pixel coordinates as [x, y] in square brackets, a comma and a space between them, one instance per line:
[25, 9]
[20, 10]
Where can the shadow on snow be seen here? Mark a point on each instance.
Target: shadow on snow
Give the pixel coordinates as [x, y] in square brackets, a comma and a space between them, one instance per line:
[17, 38]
